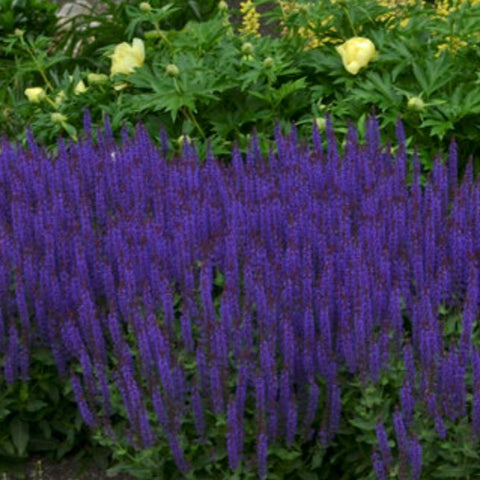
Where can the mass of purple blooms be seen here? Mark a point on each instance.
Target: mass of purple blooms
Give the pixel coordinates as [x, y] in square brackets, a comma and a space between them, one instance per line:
[269, 275]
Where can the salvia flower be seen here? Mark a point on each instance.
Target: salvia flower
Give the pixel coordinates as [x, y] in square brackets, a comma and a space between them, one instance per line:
[191, 274]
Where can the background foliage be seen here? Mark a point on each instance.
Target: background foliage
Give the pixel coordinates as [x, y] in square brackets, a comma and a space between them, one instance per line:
[223, 89]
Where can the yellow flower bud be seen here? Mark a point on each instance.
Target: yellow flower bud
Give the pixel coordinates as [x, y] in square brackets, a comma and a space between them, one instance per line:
[58, 117]
[222, 6]
[97, 78]
[35, 94]
[416, 104]
[59, 98]
[356, 53]
[321, 122]
[321, 106]
[182, 139]
[172, 70]
[126, 58]
[247, 48]
[80, 88]
[268, 62]
[18, 32]
[145, 7]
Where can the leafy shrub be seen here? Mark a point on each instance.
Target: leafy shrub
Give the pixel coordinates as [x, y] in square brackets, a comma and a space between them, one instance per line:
[230, 319]
[227, 83]
[39, 415]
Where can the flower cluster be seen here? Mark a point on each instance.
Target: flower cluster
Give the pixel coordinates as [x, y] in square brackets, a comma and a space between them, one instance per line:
[270, 276]
[250, 19]
[307, 32]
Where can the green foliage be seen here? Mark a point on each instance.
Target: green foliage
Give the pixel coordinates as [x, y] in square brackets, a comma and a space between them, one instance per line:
[33, 16]
[39, 416]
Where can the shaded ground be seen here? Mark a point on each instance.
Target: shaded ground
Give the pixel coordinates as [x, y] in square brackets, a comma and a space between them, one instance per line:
[67, 469]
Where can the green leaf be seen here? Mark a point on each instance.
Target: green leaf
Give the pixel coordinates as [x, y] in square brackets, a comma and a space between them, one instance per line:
[34, 405]
[449, 471]
[364, 424]
[434, 74]
[284, 454]
[20, 435]
[317, 458]
[439, 127]
[287, 89]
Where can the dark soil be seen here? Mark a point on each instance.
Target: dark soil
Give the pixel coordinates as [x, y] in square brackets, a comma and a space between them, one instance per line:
[39, 468]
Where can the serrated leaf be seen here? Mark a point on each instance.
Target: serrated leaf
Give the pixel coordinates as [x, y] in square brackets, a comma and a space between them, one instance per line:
[287, 89]
[434, 74]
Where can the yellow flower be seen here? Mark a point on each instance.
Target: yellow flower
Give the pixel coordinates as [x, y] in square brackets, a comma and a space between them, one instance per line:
[453, 44]
[80, 88]
[126, 58]
[356, 53]
[35, 94]
[306, 32]
[250, 20]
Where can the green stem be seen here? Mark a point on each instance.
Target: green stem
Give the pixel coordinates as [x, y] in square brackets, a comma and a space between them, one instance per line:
[191, 117]
[39, 67]
[159, 32]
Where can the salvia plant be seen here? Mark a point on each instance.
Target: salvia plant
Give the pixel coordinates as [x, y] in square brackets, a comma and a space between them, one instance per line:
[249, 319]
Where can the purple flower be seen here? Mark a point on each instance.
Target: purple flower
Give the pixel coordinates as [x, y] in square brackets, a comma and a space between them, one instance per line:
[232, 435]
[109, 254]
[407, 401]
[311, 410]
[87, 414]
[383, 444]
[415, 458]
[400, 432]
[476, 391]
[262, 451]
[379, 466]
